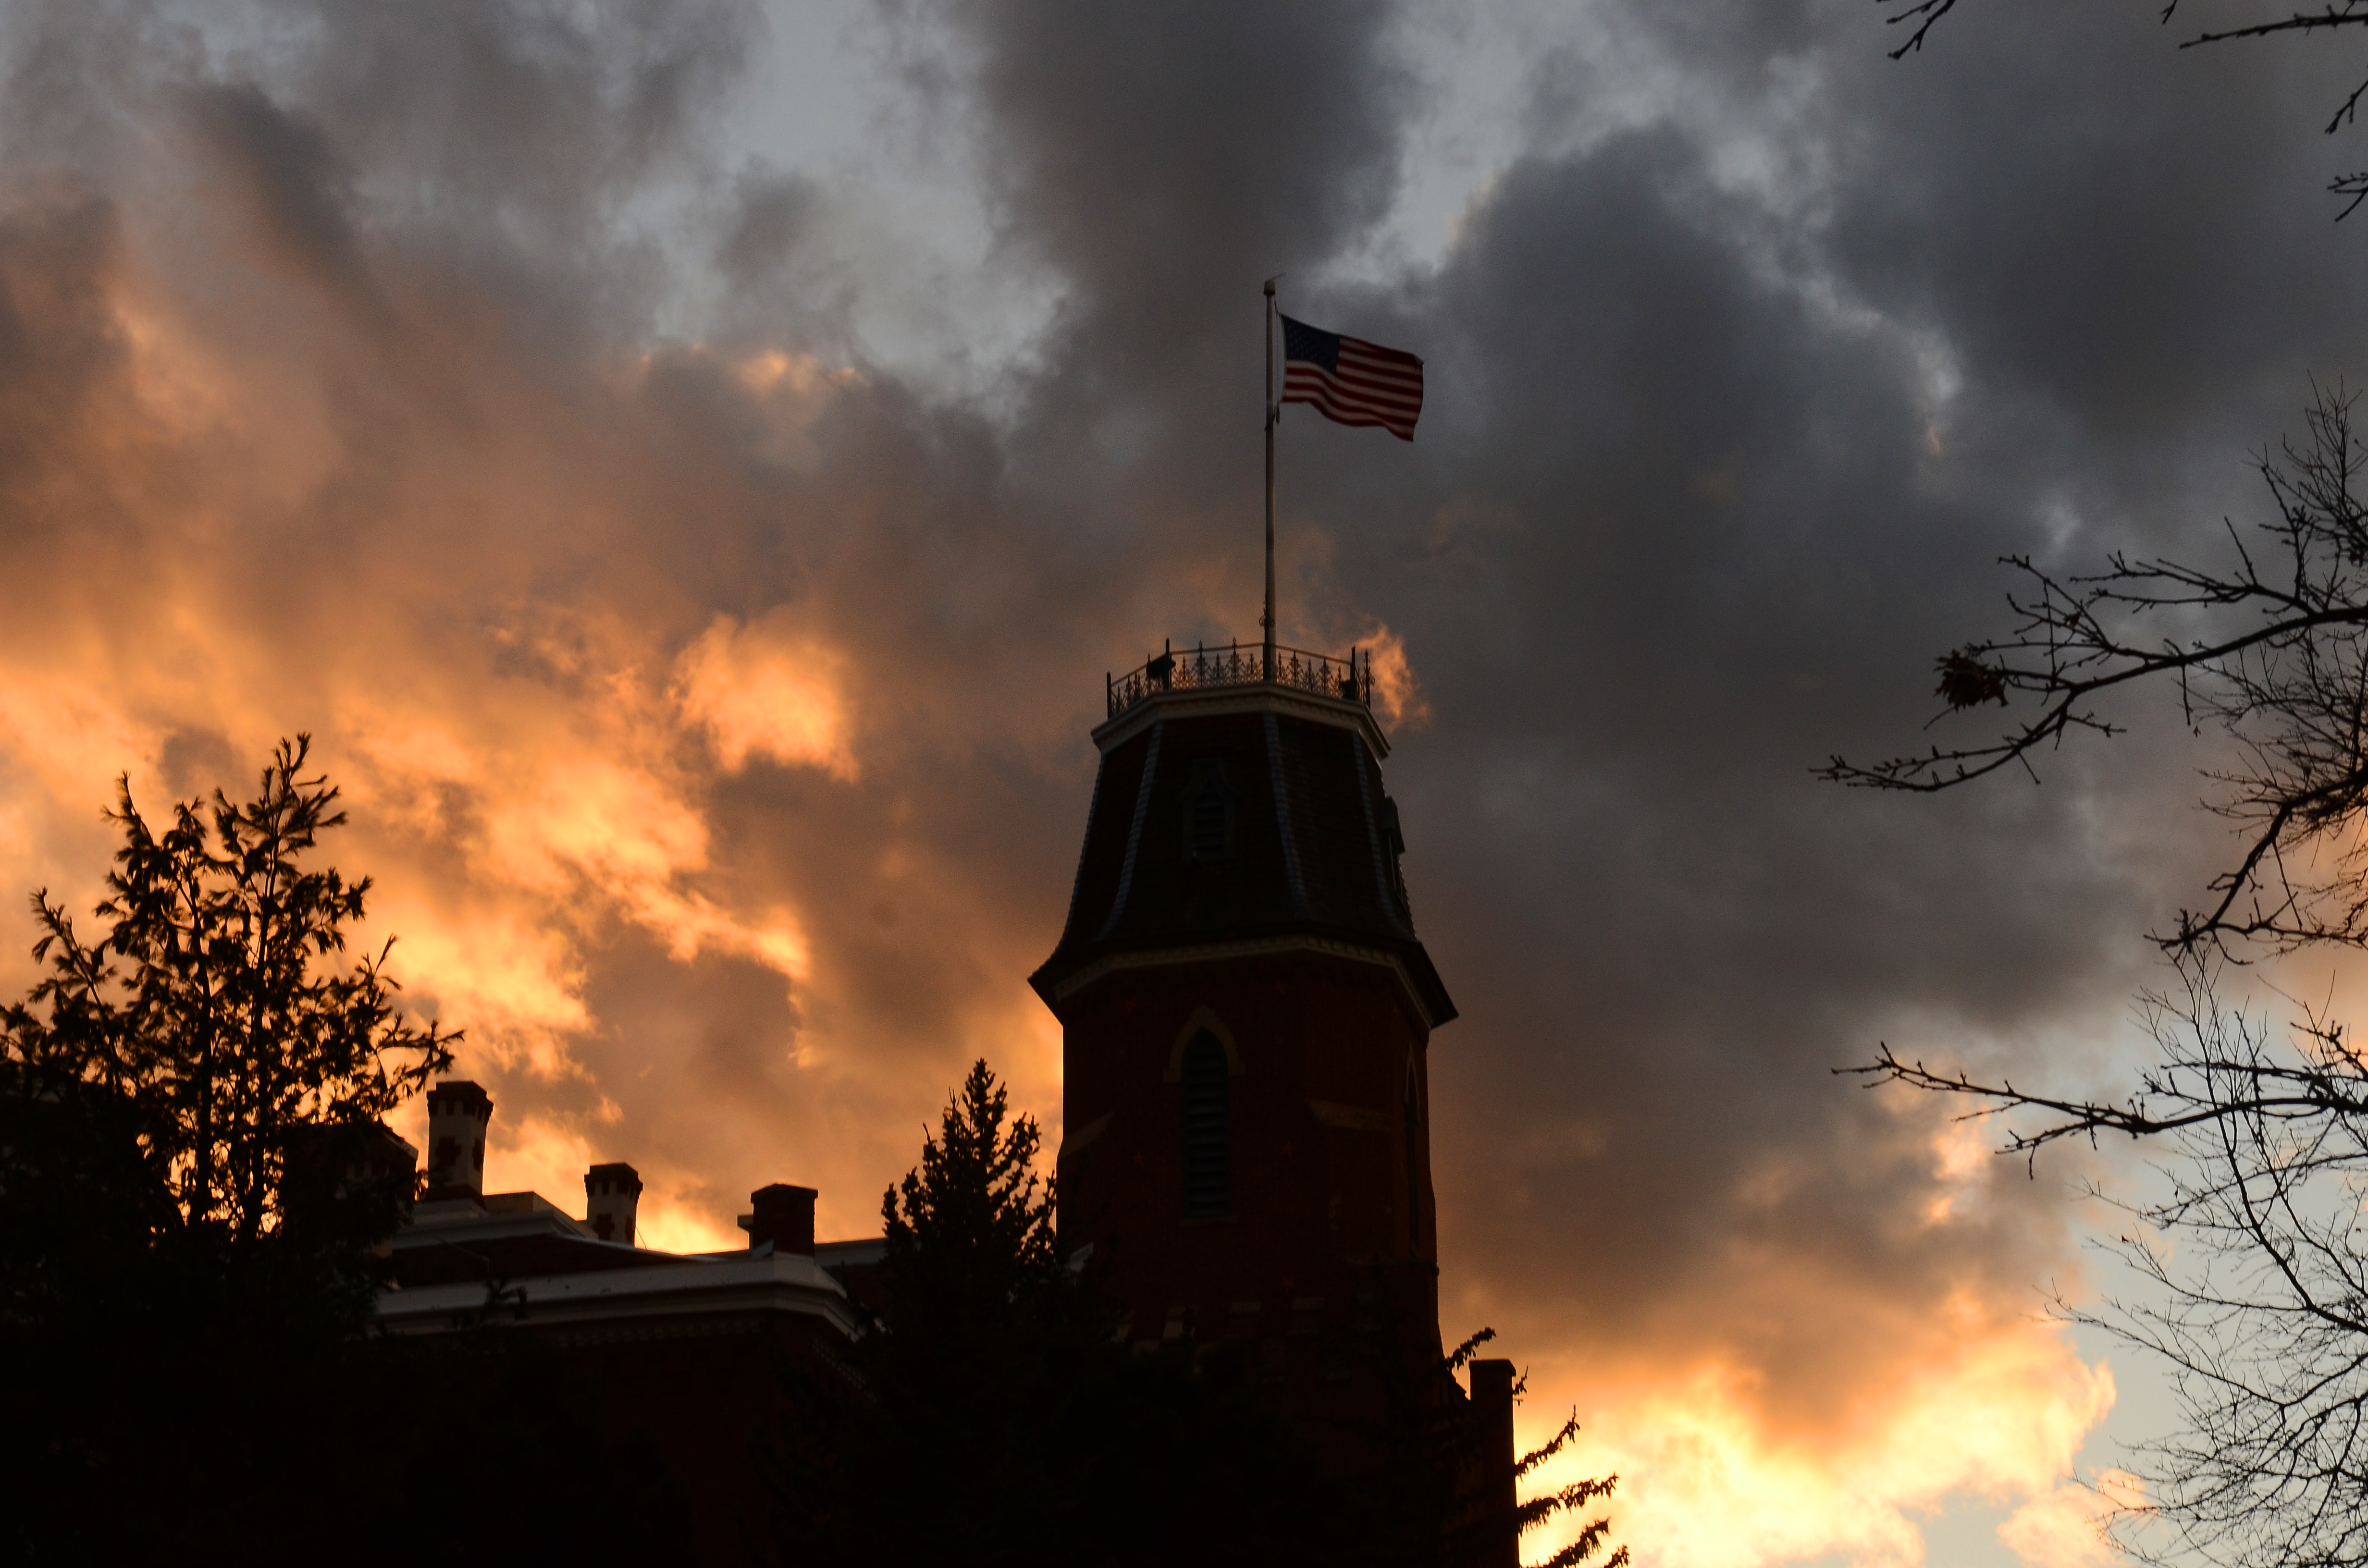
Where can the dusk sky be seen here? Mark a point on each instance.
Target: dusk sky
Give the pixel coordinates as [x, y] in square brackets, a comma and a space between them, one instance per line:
[690, 464]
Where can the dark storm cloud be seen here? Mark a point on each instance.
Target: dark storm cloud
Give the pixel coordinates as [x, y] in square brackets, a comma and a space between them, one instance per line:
[1163, 160]
[1154, 151]
[1703, 488]
[1722, 523]
[771, 214]
[297, 190]
[1707, 543]
[2131, 231]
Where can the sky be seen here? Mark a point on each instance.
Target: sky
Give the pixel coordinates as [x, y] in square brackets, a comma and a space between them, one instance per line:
[687, 464]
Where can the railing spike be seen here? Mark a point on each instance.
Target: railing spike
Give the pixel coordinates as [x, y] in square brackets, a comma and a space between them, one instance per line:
[1203, 666]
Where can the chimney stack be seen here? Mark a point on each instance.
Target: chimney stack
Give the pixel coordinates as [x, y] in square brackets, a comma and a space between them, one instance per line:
[784, 1216]
[458, 1114]
[612, 1195]
[1493, 1455]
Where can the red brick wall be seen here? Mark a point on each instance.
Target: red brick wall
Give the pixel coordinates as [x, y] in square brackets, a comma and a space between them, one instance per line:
[1317, 1269]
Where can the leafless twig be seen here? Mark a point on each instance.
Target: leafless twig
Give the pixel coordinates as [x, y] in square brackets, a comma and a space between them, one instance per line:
[1923, 14]
[2273, 652]
[2253, 1279]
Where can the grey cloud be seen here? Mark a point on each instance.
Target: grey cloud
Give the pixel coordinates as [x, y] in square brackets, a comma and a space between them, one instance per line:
[58, 342]
[1674, 530]
[297, 187]
[771, 214]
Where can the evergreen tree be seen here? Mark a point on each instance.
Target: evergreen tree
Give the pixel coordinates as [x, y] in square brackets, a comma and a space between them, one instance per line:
[974, 1282]
[997, 1418]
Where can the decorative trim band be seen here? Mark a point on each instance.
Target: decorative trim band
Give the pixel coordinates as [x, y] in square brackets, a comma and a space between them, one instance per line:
[1134, 832]
[1356, 1117]
[1275, 699]
[1282, 817]
[1077, 1141]
[1161, 957]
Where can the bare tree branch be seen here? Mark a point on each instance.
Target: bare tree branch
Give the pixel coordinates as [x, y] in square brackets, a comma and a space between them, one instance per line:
[2272, 651]
[2252, 1273]
[1924, 13]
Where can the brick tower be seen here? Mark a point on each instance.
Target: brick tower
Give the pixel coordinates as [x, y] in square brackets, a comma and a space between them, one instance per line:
[1246, 1010]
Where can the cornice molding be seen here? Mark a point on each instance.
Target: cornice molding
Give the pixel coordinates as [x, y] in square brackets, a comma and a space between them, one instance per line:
[1261, 946]
[608, 1299]
[1200, 701]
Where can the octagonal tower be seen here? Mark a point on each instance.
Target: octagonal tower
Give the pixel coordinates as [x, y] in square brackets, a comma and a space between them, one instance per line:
[1245, 1013]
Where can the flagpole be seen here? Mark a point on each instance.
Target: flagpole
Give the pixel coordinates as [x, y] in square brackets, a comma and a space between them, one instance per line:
[1272, 411]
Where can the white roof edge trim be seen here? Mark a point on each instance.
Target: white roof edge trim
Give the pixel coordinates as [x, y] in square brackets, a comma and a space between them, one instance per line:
[1113, 733]
[1254, 948]
[603, 1295]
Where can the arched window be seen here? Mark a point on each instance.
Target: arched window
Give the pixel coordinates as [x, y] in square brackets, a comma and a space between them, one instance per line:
[1208, 1133]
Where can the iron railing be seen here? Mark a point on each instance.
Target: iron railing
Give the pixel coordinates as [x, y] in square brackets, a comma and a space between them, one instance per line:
[1201, 668]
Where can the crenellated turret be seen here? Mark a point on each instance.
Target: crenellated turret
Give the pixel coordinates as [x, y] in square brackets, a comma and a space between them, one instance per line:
[459, 1112]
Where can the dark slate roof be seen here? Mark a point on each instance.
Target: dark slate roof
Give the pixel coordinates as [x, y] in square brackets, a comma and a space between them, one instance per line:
[1299, 839]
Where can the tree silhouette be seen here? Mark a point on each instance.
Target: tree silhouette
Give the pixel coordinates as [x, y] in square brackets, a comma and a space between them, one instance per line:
[2254, 1264]
[971, 1268]
[1432, 1498]
[212, 1019]
[192, 1179]
[2254, 1280]
[993, 1417]
[1474, 1529]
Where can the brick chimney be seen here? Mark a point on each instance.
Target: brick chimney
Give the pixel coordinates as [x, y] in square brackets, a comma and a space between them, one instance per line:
[612, 1195]
[1493, 1456]
[784, 1216]
[458, 1115]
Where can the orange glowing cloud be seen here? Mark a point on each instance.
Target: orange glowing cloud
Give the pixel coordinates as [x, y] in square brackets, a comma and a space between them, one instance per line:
[1398, 695]
[2066, 1528]
[1995, 1407]
[533, 775]
[1779, 1410]
[759, 692]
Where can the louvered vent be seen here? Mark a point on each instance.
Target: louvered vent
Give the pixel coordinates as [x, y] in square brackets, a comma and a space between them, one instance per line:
[1208, 1134]
[1208, 825]
[1208, 812]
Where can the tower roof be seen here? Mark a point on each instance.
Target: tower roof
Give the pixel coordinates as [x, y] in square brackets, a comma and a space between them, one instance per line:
[1233, 814]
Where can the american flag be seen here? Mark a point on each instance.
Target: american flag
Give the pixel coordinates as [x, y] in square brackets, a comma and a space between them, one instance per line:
[1351, 380]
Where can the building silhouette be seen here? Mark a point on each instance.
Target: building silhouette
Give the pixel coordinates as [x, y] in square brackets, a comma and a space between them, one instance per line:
[1246, 1014]
[683, 1348]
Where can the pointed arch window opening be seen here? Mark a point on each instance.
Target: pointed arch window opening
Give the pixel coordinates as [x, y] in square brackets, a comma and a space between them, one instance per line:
[1207, 1081]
